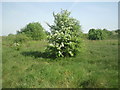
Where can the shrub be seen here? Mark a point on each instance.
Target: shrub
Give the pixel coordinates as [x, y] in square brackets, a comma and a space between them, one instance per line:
[16, 46]
[34, 30]
[9, 39]
[117, 31]
[18, 40]
[96, 34]
[21, 38]
[108, 33]
[65, 37]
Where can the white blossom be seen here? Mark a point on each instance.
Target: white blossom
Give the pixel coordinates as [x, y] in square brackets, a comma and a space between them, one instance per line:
[16, 44]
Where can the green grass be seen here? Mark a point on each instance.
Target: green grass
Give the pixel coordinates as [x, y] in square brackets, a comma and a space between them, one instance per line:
[25, 67]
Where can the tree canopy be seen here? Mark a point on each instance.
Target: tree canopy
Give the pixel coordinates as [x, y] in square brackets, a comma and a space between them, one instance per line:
[34, 30]
[65, 37]
[96, 34]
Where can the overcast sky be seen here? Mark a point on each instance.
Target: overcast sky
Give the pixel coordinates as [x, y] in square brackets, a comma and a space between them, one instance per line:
[90, 14]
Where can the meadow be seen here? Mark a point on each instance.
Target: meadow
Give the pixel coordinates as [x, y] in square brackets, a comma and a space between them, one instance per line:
[28, 67]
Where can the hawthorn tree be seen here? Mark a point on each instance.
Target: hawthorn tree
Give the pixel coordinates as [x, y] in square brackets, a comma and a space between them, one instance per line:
[33, 30]
[65, 37]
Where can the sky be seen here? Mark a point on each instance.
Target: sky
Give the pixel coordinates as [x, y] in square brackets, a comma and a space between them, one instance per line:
[16, 15]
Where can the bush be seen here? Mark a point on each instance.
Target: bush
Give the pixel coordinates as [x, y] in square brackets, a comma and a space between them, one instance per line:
[18, 40]
[96, 34]
[21, 38]
[34, 30]
[117, 31]
[65, 37]
[16, 46]
[109, 33]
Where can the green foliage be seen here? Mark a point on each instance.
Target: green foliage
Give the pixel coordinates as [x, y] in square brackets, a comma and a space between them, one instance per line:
[117, 31]
[16, 46]
[109, 33]
[34, 30]
[21, 38]
[65, 38]
[16, 41]
[47, 33]
[10, 34]
[96, 34]
[99, 34]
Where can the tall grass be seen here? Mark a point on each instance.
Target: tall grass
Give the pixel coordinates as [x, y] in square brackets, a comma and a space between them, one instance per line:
[96, 67]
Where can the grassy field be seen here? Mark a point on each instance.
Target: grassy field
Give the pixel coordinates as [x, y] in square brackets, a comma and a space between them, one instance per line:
[27, 67]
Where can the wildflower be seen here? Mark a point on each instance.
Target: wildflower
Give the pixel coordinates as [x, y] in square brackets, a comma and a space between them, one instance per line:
[16, 44]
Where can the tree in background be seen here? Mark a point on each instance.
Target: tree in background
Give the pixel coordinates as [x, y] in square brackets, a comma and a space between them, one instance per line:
[109, 33]
[117, 31]
[65, 37]
[96, 34]
[33, 30]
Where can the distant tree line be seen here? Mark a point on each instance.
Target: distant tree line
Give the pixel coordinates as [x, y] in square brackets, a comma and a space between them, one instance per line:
[35, 31]
[100, 34]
